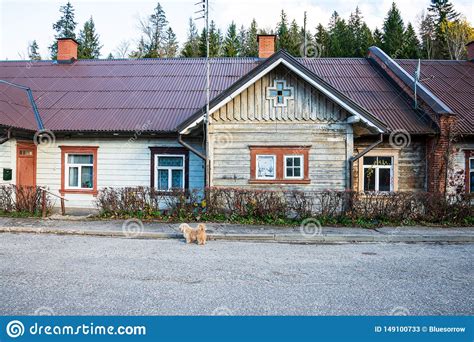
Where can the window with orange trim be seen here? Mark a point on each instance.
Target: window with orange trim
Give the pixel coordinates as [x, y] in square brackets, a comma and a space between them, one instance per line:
[79, 169]
[279, 164]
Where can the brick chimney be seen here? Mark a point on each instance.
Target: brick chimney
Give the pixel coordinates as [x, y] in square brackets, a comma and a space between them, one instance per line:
[470, 51]
[67, 50]
[266, 45]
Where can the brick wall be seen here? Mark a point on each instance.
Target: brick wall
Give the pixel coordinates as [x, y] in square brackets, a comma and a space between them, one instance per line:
[440, 149]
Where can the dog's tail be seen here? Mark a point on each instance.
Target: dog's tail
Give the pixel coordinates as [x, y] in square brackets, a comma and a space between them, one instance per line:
[201, 227]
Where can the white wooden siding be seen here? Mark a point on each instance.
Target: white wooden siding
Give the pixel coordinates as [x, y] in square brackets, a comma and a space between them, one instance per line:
[120, 164]
[7, 160]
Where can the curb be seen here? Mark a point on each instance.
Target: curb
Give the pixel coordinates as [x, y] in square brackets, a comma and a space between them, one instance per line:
[280, 238]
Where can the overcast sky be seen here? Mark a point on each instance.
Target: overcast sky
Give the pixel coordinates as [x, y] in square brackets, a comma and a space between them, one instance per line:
[21, 21]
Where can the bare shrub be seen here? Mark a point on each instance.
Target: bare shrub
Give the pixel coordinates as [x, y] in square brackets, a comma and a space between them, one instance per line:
[25, 199]
[272, 205]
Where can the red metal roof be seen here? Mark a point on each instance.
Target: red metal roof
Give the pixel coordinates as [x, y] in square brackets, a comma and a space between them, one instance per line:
[453, 83]
[15, 108]
[159, 94]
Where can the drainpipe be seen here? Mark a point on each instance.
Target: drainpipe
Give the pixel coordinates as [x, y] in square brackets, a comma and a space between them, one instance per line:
[7, 137]
[361, 154]
[192, 149]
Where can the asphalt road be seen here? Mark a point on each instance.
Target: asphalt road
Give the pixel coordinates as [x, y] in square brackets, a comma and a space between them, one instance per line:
[72, 275]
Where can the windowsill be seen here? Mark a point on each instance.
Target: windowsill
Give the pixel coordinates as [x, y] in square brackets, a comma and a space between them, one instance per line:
[279, 181]
[79, 191]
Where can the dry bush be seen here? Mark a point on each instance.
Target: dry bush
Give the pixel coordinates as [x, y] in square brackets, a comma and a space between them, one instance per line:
[268, 205]
[25, 199]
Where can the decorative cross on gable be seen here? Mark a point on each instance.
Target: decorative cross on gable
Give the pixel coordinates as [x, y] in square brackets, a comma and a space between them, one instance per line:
[280, 93]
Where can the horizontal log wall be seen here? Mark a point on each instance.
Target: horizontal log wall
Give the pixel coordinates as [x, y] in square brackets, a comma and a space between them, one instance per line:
[411, 163]
[309, 119]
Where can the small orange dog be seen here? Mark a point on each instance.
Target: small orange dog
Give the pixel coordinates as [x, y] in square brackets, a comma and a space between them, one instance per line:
[194, 234]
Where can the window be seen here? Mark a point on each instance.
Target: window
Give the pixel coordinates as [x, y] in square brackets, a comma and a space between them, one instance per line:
[294, 167]
[170, 172]
[169, 168]
[266, 168]
[378, 173]
[280, 93]
[279, 164]
[79, 169]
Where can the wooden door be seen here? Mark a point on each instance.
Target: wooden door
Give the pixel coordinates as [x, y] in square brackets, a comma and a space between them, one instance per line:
[25, 164]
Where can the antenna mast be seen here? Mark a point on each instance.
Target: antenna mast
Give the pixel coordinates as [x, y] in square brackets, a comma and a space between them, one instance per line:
[204, 12]
[304, 34]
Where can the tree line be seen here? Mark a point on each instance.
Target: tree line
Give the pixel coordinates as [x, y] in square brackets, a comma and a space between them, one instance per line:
[442, 34]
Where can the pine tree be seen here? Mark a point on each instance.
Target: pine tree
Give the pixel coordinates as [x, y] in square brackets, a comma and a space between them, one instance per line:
[33, 53]
[215, 41]
[295, 39]
[171, 44]
[283, 41]
[339, 37]
[251, 45]
[154, 30]
[361, 36]
[89, 45]
[393, 32]
[231, 46]
[427, 31]
[140, 51]
[443, 12]
[378, 38]
[322, 40]
[110, 56]
[366, 40]
[64, 27]
[191, 46]
[242, 36]
[411, 44]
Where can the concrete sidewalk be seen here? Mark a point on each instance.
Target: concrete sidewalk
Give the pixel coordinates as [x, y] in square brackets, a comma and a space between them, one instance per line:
[223, 231]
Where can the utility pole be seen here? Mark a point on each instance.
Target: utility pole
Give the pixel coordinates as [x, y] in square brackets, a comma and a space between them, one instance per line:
[304, 35]
[204, 11]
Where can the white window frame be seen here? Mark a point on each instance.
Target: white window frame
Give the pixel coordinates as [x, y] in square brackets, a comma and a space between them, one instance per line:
[169, 168]
[376, 171]
[274, 166]
[79, 171]
[285, 98]
[301, 157]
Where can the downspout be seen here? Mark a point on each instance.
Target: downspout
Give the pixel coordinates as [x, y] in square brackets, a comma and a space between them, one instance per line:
[7, 137]
[361, 154]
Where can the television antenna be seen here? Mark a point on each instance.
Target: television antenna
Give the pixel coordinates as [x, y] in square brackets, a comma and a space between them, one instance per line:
[203, 13]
